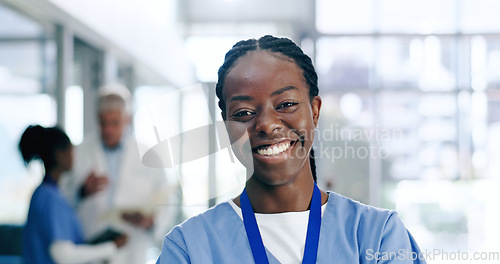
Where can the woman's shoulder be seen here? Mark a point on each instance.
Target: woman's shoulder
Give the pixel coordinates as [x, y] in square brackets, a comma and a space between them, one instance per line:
[368, 229]
[368, 224]
[46, 198]
[341, 200]
[45, 191]
[217, 218]
[357, 212]
[216, 235]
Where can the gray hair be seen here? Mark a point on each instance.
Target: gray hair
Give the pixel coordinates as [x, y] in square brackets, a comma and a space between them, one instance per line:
[114, 97]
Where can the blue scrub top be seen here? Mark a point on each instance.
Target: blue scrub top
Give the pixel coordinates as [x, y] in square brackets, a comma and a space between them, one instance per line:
[50, 219]
[351, 232]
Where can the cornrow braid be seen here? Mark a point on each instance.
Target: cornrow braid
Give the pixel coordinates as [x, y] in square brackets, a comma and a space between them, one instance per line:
[313, 164]
[237, 51]
[277, 45]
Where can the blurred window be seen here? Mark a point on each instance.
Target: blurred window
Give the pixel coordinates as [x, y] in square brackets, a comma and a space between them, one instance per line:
[416, 16]
[17, 183]
[420, 81]
[20, 67]
[208, 63]
[337, 16]
[479, 17]
[345, 62]
[13, 24]
[74, 114]
[23, 54]
[425, 63]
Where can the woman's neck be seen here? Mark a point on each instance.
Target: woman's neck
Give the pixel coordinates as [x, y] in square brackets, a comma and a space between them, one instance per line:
[54, 174]
[292, 197]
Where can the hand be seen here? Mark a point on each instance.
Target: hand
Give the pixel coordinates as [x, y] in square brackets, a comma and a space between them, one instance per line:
[94, 184]
[138, 219]
[121, 241]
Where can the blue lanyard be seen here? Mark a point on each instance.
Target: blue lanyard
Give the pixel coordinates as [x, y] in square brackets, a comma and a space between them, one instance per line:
[253, 233]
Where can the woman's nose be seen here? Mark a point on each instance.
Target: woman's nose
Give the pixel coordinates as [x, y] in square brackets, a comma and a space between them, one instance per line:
[268, 123]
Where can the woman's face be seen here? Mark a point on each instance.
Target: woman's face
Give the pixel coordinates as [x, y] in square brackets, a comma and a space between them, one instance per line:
[65, 158]
[267, 103]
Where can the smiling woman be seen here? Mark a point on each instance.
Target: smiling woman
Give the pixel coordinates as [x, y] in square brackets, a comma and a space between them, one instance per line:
[268, 96]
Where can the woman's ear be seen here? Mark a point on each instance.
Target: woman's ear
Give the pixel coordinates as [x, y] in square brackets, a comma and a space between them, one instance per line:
[316, 107]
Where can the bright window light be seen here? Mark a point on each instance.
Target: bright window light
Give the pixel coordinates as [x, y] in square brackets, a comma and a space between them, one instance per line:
[74, 114]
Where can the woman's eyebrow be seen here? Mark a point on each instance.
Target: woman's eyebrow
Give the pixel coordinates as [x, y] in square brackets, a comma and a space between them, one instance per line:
[282, 90]
[241, 98]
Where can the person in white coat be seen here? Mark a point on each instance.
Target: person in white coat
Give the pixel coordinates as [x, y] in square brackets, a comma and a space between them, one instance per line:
[112, 189]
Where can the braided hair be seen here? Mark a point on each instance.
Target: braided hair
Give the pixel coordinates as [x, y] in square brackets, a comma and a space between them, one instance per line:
[277, 45]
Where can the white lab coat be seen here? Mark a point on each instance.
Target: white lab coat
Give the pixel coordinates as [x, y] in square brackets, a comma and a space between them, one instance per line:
[136, 187]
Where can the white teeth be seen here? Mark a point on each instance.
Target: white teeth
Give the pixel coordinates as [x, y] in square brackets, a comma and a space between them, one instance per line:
[274, 149]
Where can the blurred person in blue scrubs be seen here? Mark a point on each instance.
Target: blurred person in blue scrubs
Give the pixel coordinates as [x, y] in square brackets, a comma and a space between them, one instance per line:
[268, 96]
[111, 188]
[52, 232]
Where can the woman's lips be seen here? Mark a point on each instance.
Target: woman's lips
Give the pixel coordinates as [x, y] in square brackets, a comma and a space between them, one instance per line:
[274, 150]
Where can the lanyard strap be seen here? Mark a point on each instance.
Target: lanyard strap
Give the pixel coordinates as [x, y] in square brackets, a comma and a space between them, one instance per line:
[255, 239]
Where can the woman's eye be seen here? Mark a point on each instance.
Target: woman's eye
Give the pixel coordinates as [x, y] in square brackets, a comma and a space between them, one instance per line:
[286, 105]
[243, 113]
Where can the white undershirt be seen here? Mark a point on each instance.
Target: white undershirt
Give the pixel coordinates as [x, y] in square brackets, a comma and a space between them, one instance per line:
[283, 234]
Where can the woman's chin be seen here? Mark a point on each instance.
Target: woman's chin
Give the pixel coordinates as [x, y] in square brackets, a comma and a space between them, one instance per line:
[271, 179]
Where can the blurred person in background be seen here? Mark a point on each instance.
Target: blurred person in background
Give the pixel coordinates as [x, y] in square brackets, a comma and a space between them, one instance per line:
[111, 188]
[53, 233]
